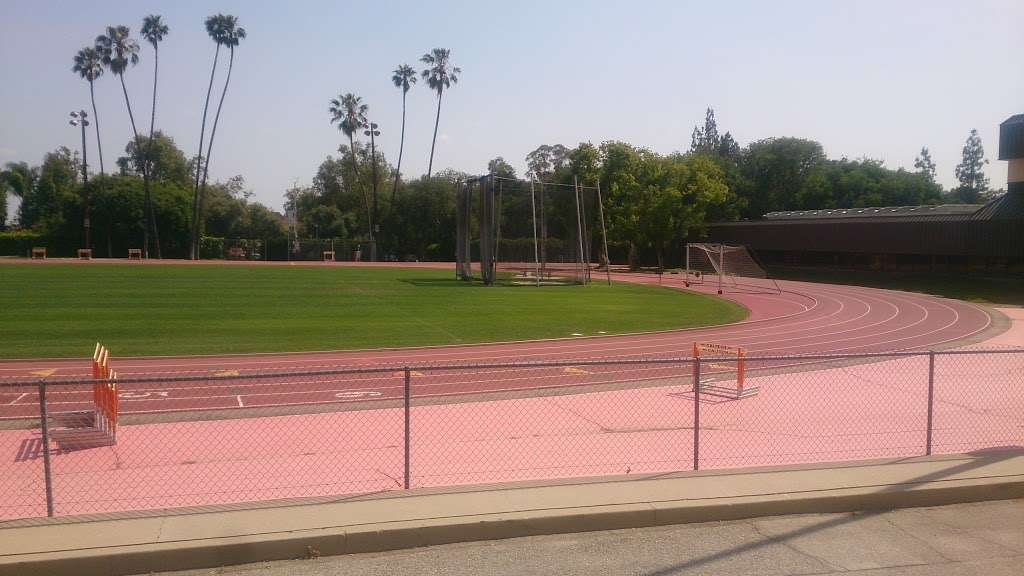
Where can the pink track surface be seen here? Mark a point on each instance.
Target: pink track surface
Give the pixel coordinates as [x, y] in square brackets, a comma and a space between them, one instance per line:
[823, 413]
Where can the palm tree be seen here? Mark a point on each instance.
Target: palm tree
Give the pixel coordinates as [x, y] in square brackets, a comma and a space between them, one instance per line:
[230, 34]
[215, 29]
[439, 76]
[119, 51]
[404, 77]
[349, 112]
[89, 65]
[153, 30]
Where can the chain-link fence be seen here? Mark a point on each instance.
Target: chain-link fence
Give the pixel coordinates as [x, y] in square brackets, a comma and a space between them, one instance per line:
[246, 436]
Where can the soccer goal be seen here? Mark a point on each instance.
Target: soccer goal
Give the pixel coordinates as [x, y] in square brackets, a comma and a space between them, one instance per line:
[529, 232]
[733, 267]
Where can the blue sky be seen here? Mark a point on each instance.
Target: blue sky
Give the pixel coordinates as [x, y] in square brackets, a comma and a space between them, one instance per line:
[866, 78]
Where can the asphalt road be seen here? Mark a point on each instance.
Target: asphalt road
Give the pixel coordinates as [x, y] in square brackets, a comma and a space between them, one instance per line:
[983, 538]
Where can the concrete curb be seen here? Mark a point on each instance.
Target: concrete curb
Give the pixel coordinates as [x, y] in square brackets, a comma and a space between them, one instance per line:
[121, 546]
[137, 545]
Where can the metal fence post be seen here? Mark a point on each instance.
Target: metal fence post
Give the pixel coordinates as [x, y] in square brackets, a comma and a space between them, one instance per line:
[931, 400]
[45, 425]
[408, 399]
[696, 412]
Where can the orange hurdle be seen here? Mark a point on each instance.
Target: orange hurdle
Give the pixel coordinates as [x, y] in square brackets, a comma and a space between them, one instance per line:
[722, 352]
[104, 393]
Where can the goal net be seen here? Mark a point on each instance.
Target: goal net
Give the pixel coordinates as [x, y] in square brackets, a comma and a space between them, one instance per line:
[528, 232]
[730, 267]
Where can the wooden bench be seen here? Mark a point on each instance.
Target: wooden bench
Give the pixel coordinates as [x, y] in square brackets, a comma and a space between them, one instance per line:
[85, 253]
[135, 253]
[328, 255]
[38, 253]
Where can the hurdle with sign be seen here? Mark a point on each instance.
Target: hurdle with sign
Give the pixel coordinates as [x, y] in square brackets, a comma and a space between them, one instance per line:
[723, 358]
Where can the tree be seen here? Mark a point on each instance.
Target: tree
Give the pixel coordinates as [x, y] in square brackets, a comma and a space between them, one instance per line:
[777, 175]
[403, 77]
[4, 189]
[970, 172]
[119, 51]
[728, 147]
[165, 160]
[706, 140]
[214, 29]
[440, 75]
[153, 30]
[924, 164]
[89, 65]
[499, 167]
[349, 113]
[228, 33]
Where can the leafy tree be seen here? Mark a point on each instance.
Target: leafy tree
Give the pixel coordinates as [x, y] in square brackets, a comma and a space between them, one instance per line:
[165, 160]
[440, 75]
[153, 30]
[89, 65]
[706, 140]
[4, 190]
[403, 77]
[728, 147]
[924, 164]
[546, 161]
[499, 167]
[227, 32]
[970, 172]
[776, 173]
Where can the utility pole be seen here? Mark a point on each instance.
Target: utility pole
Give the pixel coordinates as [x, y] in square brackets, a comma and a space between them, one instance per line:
[80, 119]
[374, 226]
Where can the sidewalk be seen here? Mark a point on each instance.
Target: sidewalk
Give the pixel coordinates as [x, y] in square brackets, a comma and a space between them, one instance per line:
[209, 538]
[954, 540]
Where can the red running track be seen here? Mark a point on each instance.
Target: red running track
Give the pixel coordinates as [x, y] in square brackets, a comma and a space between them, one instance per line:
[805, 318]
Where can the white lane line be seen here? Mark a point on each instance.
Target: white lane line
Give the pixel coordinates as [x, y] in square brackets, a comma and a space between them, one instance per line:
[15, 401]
[240, 403]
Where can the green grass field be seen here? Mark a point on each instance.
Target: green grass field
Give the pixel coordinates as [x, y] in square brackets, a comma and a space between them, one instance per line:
[61, 310]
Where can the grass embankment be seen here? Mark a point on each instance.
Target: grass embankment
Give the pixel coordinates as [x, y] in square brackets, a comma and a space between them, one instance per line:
[995, 291]
[61, 310]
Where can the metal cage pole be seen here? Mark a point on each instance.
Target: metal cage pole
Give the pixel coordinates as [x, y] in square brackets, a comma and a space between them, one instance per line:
[586, 234]
[579, 233]
[721, 266]
[536, 249]
[604, 235]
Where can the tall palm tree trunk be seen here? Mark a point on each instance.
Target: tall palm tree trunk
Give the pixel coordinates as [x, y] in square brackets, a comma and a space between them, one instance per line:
[145, 171]
[149, 154]
[398, 169]
[213, 131]
[96, 122]
[430, 166]
[194, 248]
[355, 173]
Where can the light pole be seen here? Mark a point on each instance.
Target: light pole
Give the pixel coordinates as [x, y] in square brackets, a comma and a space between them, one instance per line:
[374, 226]
[80, 119]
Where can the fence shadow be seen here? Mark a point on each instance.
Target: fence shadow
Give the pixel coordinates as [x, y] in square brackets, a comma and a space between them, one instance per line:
[981, 458]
